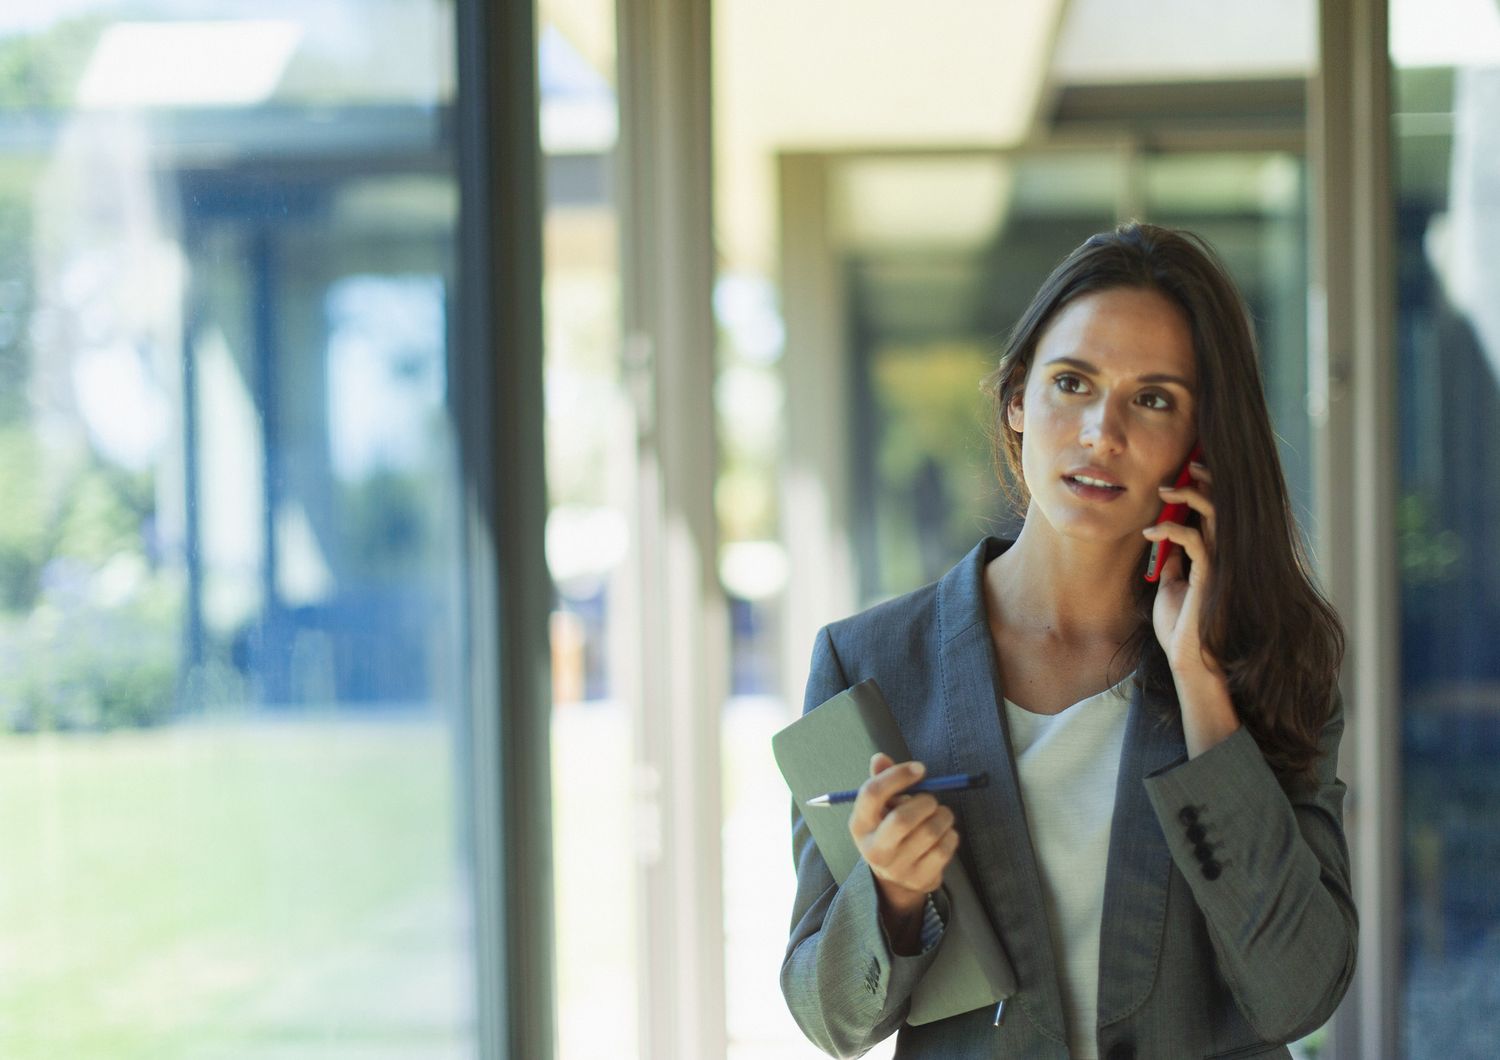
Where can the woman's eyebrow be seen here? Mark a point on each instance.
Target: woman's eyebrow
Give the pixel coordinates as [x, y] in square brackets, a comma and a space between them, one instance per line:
[1154, 377]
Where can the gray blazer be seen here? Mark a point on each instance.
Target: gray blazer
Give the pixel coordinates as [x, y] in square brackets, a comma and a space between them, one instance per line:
[1229, 928]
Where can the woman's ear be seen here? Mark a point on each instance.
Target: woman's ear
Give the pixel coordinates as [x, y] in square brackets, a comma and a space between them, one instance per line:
[1015, 415]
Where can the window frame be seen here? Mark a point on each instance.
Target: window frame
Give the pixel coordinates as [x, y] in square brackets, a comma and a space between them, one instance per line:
[1351, 400]
[497, 400]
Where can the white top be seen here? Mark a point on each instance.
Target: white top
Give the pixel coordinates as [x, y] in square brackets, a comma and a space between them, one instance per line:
[1067, 765]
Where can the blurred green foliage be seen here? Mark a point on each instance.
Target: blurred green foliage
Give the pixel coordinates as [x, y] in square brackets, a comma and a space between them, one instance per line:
[39, 71]
[937, 493]
[24, 536]
[1429, 554]
[931, 406]
[89, 634]
[90, 513]
[15, 297]
[103, 514]
[90, 668]
[39, 74]
[88, 625]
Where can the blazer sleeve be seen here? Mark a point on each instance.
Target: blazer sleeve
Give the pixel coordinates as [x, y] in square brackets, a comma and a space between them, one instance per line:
[844, 985]
[1270, 873]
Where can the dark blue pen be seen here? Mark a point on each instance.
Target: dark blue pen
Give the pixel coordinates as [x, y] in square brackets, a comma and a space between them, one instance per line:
[952, 782]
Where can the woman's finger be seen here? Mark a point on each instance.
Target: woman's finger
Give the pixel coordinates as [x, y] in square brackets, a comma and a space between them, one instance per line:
[1185, 537]
[904, 864]
[900, 866]
[1194, 499]
[876, 792]
[884, 842]
[1198, 502]
[927, 872]
[912, 837]
[881, 844]
[1171, 571]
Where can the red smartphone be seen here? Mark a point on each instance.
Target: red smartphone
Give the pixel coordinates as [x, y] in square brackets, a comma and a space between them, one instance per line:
[1177, 513]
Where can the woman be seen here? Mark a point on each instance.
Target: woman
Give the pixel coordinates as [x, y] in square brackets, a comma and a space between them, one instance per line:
[1161, 849]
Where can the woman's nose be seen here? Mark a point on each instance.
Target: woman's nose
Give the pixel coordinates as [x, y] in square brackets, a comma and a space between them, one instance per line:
[1102, 428]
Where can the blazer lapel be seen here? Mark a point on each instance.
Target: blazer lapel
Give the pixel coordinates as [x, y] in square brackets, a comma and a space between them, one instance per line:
[1135, 883]
[996, 844]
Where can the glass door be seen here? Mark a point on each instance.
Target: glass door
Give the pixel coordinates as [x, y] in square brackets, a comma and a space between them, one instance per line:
[1445, 89]
[231, 650]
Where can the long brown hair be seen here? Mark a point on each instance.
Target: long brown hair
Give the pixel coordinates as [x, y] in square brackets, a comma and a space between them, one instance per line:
[1265, 619]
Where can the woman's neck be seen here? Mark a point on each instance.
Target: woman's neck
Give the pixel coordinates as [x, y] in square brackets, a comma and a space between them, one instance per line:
[1063, 588]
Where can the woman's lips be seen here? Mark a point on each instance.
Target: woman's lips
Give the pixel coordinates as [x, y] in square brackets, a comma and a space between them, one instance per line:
[1093, 493]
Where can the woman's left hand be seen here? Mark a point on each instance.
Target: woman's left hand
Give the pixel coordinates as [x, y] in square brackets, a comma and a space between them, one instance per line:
[1179, 598]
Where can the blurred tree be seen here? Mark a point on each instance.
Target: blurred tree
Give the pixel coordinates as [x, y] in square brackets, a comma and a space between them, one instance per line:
[38, 75]
[39, 71]
[388, 531]
[103, 516]
[25, 534]
[15, 293]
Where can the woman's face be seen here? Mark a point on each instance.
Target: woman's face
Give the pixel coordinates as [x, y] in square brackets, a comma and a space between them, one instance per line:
[1111, 394]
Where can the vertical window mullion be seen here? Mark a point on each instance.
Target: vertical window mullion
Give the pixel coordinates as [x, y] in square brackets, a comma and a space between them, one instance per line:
[500, 376]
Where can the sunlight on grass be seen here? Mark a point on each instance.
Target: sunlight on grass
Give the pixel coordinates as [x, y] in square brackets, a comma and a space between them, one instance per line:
[222, 889]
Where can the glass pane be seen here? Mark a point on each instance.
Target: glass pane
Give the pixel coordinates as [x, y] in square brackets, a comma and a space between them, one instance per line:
[1250, 207]
[928, 315]
[1447, 159]
[591, 447]
[892, 219]
[230, 645]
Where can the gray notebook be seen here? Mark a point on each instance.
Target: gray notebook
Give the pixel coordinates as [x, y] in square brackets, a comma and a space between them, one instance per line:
[829, 749]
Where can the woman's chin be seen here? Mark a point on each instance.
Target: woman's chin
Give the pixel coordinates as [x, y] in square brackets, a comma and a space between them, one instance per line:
[1099, 527]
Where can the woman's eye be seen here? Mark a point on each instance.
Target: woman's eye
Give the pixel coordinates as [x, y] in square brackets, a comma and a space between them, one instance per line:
[1065, 383]
[1166, 402]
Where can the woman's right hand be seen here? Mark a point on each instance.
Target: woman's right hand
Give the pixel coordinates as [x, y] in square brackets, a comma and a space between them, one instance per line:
[907, 840]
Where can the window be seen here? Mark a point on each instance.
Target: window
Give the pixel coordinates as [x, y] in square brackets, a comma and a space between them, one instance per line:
[1446, 83]
[232, 661]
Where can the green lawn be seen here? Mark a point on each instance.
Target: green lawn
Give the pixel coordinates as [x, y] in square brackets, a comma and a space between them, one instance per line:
[226, 890]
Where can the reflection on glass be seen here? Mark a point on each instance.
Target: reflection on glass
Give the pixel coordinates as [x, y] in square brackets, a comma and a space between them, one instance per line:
[1447, 155]
[229, 644]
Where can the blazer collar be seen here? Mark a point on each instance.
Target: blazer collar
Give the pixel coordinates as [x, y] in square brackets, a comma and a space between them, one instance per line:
[997, 845]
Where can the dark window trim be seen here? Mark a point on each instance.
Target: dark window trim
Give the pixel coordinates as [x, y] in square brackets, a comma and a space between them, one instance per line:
[497, 398]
